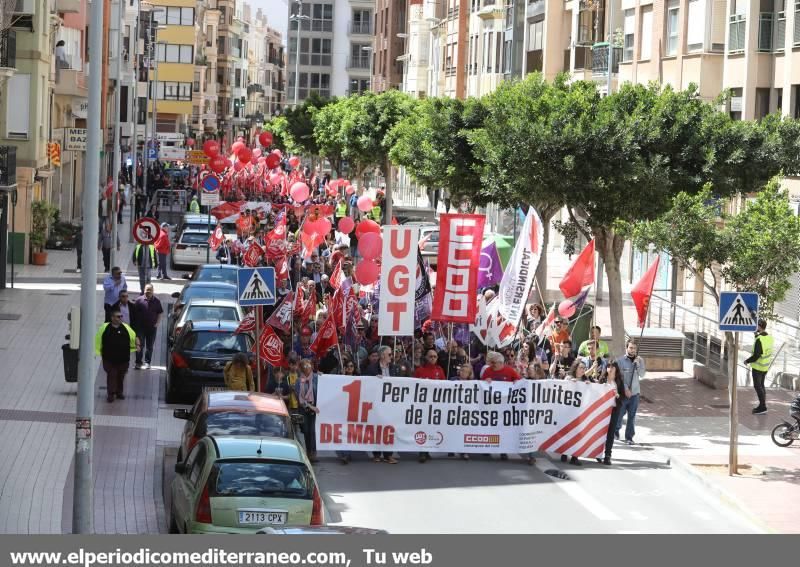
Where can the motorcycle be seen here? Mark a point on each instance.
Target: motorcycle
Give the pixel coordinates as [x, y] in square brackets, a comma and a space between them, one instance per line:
[785, 433]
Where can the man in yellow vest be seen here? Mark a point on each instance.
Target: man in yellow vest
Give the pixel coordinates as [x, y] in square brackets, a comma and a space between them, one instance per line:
[759, 363]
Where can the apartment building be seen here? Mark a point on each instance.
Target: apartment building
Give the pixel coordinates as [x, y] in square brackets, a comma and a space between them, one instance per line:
[204, 87]
[275, 86]
[391, 18]
[414, 60]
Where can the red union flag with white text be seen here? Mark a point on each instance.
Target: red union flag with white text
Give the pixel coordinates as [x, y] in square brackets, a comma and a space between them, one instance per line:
[270, 347]
[326, 337]
[460, 238]
[398, 281]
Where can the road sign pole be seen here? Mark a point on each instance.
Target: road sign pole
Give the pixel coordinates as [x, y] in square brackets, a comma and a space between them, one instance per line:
[733, 452]
[208, 248]
[258, 348]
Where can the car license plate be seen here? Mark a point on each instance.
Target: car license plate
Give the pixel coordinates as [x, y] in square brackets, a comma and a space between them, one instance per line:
[261, 517]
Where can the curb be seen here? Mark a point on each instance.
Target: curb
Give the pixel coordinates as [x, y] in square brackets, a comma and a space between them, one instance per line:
[724, 495]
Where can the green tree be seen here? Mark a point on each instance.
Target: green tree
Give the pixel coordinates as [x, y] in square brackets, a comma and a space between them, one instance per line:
[300, 124]
[755, 250]
[281, 136]
[432, 144]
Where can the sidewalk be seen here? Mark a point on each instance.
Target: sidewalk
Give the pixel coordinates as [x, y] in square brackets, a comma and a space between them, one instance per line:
[37, 412]
[688, 422]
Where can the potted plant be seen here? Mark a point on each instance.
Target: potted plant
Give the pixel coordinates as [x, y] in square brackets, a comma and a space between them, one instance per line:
[42, 215]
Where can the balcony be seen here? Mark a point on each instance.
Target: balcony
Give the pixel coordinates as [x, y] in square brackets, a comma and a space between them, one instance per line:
[8, 49]
[254, 88]
[363, 28]
[600, 59]
[583, 58]
[71, 83]
[68, 6]
[8, 166]
[358, 63]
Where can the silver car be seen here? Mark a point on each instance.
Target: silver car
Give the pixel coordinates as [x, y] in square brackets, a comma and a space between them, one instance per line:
[207, 309]
[190, 249]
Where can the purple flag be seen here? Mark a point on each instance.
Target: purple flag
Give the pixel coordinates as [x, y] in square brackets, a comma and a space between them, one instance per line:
[490, 271]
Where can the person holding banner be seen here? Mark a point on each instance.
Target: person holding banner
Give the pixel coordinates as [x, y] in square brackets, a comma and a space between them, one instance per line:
[306, 392]
[632, 369]
[430, 369]
[613, 376]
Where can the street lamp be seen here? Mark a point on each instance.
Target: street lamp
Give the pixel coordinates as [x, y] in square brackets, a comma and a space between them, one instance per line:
[370, 49]
[297, 17]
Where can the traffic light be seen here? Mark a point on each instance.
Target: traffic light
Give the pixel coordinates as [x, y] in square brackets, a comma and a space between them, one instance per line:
[54, 152]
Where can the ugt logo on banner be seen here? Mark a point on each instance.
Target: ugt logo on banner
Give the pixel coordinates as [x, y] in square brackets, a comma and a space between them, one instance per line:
[457, 279]
[398, 281]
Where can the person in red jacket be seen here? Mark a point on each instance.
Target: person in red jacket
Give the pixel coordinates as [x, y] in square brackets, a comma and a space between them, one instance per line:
[162, 245]
[430, 368]
[497, 369]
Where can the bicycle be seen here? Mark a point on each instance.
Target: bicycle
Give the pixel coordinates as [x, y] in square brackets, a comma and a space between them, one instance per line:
[785, 433]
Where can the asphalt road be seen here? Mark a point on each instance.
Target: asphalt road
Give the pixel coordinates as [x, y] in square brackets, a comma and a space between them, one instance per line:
[639, 494]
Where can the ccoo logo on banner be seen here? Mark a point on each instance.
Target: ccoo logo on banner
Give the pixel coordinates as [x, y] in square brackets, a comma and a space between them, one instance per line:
[398, 281]
[407, 414]
[457, 277]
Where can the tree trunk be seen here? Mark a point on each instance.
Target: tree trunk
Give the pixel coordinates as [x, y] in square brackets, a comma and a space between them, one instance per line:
[387, 175]
[541, 269]
[609, 246]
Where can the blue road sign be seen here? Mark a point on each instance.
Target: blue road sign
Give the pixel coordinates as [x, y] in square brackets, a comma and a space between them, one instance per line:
[256, 286]
[210, 184]
[738, 311]
[152, 153]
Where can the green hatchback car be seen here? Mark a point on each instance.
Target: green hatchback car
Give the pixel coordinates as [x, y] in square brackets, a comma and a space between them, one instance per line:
[242, 485]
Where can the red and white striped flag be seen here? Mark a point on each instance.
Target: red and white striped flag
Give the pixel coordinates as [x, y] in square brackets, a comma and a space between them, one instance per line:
[585, 435]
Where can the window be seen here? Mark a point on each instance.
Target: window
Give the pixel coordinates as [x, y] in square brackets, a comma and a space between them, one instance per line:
[736, 104]
[780, 25]
[176, 16]
[628, 30]
[762, 103]
[221, 44]
[647, 33]
[672, 27]
[535, 35]
[738, 25]
[765, 29]
[695, 37]
[18, 106]
[175, 53]
[197, 82]
[361, 21]
[498, 52]
[171, 90]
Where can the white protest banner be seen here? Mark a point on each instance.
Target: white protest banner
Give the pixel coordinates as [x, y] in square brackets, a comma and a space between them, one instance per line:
[521, 269]
[362, 413]
[398, 281]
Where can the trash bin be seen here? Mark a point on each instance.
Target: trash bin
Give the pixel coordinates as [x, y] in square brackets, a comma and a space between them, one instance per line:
[70, 363]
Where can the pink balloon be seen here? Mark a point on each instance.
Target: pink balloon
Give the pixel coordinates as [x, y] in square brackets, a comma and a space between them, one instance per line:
[294, 161]
[346, 225]
[367, 226]
[254, 160]
[237, 146]
[240, 138]
[349, 190]
[257, 152]
[364, 203]
[324, 225]
[277, 152]
[566, 309]
[275, 178]
[189, 142]
[262, 160]
[312, 227]
[299, 192]
[367, 272]
[230, 163]
[370, 246]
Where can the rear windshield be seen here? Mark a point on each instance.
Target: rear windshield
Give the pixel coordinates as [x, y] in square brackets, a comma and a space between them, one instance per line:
[195, 226]
[210, 313]
[194, 238]
[223, 342]
[258, 478]
[210, 292]
[249, 423]
[216, 275]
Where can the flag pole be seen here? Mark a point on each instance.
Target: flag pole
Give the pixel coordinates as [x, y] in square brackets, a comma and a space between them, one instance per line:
[258, 347]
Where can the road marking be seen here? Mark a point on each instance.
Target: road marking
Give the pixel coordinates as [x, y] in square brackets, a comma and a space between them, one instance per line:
[577, 493]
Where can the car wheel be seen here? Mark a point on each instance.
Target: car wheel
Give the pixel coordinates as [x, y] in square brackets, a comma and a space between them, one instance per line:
[173, 525]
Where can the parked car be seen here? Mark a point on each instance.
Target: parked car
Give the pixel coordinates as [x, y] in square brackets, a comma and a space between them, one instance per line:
[199, 356]
[192, 221]
[321, 530]
[204, 309]
[199, 290]
[234, 413]
[191, 249]
[242, 485]
[430, 232]
[218, 273]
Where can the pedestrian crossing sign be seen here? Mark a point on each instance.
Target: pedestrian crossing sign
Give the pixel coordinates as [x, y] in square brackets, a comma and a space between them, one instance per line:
[256, 286]
[738, 311]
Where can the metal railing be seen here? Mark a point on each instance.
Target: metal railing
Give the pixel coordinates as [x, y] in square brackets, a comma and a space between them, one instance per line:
[8, 48]
[363, 28]
[600, 58]
[358, 63]
[705, 343]
[8, 165]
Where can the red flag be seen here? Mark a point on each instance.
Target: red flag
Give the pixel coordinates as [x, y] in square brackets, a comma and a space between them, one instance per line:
[281, 318]
[350, 304]
[310, 241]
[244, 223]
[642, 291]
[270, 347]
[326, 337]
[310, 306]
[336, 303]
[580, 273]
[247, 324]
[458, 260]
[215, 240]
[253, 254]
[337, 276]
[299, 296]
[281, 269]
[226, 210]
[279, 232]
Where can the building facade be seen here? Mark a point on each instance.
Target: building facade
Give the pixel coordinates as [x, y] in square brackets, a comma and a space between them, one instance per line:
[391, 25]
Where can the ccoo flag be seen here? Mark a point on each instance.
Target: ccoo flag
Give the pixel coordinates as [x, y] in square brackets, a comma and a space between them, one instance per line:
[642, 291]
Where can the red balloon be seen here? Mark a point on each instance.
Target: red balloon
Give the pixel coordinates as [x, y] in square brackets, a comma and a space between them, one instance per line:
[294, 161]
[346, 225]
[211, 148]
[237, 146]
[265, 139]
[245, 154]
[325, 225]
[189, 142]
[273, 161]
[367, 272]
[349, 190]
[299, 192]
[367, 226]
[370, 246]
[566, 309]
[217, 164]
[238, 166]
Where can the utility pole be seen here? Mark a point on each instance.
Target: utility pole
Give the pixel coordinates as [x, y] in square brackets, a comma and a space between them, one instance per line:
[82, 502]
[117, 150]
[133, 120]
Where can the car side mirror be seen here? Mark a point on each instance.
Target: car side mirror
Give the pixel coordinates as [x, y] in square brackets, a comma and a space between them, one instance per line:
[180, 468]
[188, 276]
[182, 414]
[175, 295]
